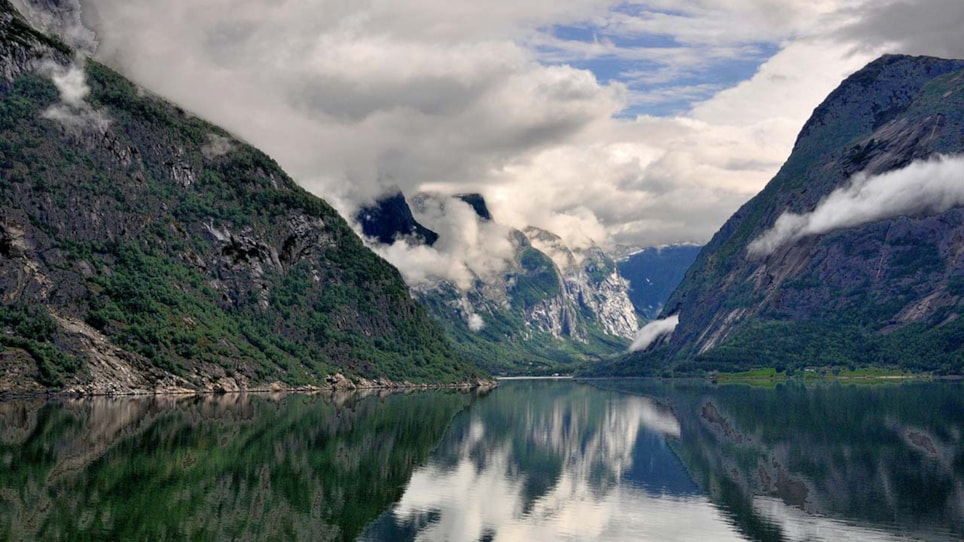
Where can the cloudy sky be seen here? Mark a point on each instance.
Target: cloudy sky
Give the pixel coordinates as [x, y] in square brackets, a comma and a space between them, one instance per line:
[636, 122]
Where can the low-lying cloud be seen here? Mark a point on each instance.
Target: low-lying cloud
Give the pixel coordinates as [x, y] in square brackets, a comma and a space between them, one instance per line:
[73, 110]
[652, 331]
[61, 18]
[217, 145]
[923, 187]
[476, 323]
[468, 249]
[472, 318]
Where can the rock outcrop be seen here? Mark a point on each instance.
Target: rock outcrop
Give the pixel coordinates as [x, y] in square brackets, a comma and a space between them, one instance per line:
[390, 219]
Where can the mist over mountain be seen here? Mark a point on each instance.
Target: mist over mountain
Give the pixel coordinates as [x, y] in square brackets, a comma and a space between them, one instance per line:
[142, 249]
[478, 204]
[852, 254]
[390, 219]
[522, 301]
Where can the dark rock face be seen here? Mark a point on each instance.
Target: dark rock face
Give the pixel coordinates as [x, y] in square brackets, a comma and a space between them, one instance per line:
[478, 204]
[885, 292]
[22, 48]
[136, 256]
[391, 219]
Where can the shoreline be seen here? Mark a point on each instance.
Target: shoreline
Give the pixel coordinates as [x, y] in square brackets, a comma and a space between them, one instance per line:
[335, 383]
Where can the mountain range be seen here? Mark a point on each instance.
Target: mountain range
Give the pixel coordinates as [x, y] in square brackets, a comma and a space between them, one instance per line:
[549, 309]
[142, 248]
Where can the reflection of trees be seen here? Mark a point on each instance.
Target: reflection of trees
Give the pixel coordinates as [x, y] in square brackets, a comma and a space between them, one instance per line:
[227, 467]
[884, 456]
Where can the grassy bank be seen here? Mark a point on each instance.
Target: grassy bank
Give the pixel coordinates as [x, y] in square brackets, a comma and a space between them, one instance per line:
[772, 376]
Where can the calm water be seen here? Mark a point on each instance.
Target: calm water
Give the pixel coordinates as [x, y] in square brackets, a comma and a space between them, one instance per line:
[533, 460]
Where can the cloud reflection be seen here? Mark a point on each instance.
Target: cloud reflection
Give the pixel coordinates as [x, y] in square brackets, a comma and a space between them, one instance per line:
[561, 473]
[798, 526]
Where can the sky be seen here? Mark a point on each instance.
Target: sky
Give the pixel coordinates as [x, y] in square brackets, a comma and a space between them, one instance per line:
[634, 123]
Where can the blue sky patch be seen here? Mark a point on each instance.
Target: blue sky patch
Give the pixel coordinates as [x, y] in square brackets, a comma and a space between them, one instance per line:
[663, 76]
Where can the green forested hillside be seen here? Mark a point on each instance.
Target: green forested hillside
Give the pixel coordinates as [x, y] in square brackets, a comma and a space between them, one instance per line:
[142, 248]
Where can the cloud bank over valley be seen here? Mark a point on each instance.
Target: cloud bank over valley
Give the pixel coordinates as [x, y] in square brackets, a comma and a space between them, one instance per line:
[648, 334]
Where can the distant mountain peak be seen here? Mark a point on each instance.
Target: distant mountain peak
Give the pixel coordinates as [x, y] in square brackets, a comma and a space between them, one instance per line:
[390, 219]
[477, 202]
[545, 304]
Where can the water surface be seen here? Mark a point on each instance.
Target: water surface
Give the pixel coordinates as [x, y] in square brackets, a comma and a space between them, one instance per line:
[233, 467]
[532, 460]
[651, 460]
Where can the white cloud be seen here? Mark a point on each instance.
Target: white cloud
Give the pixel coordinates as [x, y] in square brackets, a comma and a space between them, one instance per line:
[468, 249]
[923, 187]
[922, 27]
[71, 82]
[475, 322]
[720, 23]
[62, 19]
[652, 331]
[217, 145]
[472, 319]
[354, 97]
[73, 110]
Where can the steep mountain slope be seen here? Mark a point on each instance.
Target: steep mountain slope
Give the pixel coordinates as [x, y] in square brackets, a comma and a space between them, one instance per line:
[550, 309]
[142, 248]
[654, 273]
[834, 263]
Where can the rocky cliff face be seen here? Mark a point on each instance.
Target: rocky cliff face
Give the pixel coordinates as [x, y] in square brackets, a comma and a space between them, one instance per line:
[554, 308]
[23, 48]
[142, 248]
[591, 283]
[835, 262]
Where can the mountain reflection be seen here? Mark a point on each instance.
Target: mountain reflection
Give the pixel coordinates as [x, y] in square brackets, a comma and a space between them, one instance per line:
[825, 462]
[235, 467]
[550, 460]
